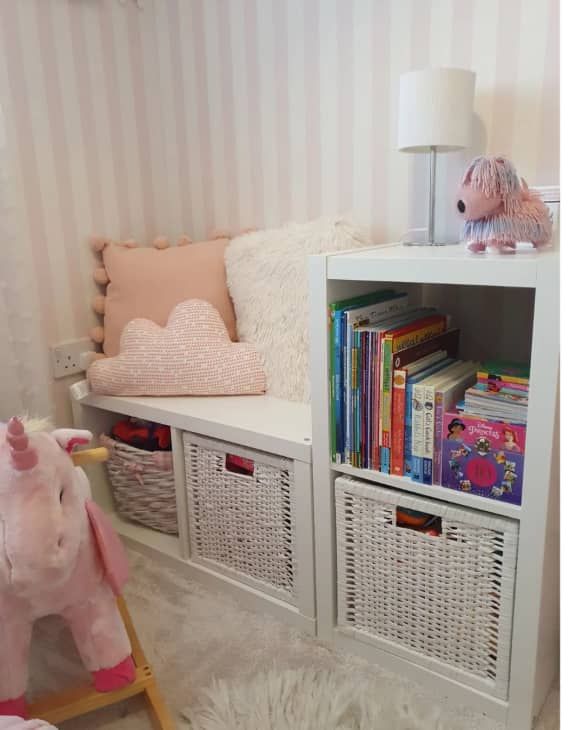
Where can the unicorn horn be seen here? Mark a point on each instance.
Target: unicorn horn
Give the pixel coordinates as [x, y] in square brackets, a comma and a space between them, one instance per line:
[23, 456]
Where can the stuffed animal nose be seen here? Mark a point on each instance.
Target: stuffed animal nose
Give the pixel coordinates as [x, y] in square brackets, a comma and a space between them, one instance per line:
[461, 206]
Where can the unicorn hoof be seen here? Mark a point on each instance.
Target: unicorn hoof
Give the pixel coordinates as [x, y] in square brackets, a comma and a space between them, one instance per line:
[14, 708]
[108, 680]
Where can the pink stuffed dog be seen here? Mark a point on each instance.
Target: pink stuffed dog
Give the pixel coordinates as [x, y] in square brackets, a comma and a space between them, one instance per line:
[58, 555]
[499, 209]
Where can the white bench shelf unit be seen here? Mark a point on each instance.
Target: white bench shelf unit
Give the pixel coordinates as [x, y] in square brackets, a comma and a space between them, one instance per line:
[264, 424]
[508, 308]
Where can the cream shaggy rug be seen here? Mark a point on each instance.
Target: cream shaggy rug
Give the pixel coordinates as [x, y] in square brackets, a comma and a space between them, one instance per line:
[308, 699]
[201, 642]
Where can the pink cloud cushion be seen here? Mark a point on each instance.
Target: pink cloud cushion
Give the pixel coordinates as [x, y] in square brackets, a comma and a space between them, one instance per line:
[192, 355]
[148, 282]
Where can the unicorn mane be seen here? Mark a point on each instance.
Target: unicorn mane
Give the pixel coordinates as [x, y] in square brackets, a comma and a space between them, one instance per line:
[34, 424]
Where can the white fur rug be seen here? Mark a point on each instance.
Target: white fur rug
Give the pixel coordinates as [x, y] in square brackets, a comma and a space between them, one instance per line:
[309, 699]
[200, 640]
[267, 276]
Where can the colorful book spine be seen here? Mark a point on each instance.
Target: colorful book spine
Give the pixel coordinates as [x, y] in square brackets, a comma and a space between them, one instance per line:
[386, 348]
[408, 455]
[357, 412]
[370, 371]
[332, 427]
[442, 345]
[363, 391]
[428, 433]
[372, 388]
[354, 397]
[412, 466]
[369, 309]
[364, 395]
[346, 389]
[398, 419]
[438, 418]
[412, 335]
[337, 380]
[418, 432]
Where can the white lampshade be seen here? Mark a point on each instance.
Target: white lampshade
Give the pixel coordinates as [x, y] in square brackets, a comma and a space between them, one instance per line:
[435, 109]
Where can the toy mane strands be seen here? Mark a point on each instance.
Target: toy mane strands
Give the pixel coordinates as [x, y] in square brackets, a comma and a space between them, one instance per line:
[523, 226]
[493, 176]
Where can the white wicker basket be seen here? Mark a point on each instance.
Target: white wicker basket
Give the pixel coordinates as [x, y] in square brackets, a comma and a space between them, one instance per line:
[142, 485]
[443, 602]
[242, 524]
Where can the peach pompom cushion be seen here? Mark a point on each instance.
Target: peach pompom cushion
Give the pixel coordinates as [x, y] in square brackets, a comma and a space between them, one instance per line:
[192, 355]
[147, 282]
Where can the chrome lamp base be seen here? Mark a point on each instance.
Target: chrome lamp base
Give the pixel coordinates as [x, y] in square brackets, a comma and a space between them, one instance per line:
[431, 243]
[432, 210]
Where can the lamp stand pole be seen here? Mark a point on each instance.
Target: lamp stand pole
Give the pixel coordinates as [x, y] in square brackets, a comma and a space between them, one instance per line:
[432, 211]
[431, 237]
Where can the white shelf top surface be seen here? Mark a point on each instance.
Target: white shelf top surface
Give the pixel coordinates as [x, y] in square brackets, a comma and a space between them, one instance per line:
[257, 421]
[439, 265]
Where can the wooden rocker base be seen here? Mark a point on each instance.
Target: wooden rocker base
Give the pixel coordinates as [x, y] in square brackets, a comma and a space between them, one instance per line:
[61, 706]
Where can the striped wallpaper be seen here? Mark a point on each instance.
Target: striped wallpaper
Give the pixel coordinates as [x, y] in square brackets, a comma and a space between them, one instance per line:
[190, 115]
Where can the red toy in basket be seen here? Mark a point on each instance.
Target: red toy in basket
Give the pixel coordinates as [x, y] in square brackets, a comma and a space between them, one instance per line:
[142, 434]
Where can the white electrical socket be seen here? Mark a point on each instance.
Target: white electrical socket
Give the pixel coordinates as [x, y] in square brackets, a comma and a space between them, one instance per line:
[68, 357]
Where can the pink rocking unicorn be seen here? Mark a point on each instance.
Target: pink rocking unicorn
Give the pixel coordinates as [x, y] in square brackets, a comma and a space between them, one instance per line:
[499, 209]
[58, 555]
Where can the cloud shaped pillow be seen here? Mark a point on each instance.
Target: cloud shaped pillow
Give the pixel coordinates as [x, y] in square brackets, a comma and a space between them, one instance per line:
[192, 355]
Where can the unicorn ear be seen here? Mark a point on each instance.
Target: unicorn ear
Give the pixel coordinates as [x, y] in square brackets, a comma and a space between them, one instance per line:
[69, 438]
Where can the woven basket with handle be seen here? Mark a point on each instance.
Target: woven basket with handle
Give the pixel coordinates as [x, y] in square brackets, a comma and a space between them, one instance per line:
[142, 485]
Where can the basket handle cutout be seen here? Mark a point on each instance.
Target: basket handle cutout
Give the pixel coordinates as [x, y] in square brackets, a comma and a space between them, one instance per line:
[424, 522]
[238, 465]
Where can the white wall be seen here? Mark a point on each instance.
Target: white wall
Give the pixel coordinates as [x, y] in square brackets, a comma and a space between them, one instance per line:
[191, 115]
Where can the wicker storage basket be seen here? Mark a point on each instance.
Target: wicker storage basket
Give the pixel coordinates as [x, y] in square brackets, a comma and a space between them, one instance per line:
[444, 602]
[242, 524]
[142, 485]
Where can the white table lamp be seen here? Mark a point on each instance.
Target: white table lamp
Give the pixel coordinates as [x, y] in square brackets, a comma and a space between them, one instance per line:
[435, 115]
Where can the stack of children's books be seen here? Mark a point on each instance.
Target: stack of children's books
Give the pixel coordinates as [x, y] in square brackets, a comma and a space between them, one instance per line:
[483, 439]
[501, 392]
[394, 371]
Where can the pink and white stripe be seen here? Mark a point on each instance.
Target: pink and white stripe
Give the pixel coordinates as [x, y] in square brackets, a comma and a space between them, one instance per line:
[198, 114]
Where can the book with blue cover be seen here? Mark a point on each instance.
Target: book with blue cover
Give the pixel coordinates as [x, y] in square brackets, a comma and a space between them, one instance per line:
[367, 307]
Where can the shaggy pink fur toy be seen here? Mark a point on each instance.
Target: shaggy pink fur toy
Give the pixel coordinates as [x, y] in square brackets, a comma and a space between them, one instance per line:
[58, 555]
[499, 209]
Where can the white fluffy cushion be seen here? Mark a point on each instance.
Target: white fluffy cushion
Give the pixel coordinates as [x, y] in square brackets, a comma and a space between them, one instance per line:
[267, 276]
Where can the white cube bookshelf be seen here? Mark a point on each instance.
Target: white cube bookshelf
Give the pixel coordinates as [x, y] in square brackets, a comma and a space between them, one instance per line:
[507, 307]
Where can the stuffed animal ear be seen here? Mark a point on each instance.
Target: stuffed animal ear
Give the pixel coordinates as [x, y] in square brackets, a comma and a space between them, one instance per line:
[69, 438]
[110, 548]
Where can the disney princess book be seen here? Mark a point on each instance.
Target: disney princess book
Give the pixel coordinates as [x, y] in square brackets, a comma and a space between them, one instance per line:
[483, 457]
